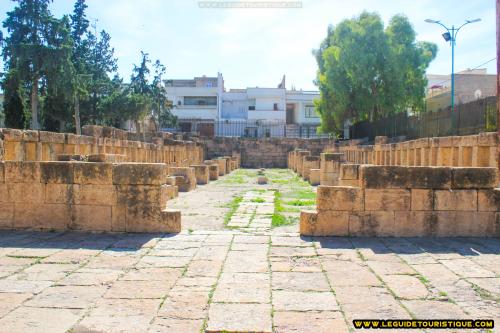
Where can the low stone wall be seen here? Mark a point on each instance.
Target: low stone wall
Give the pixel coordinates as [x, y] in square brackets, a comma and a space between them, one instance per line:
[407, 202]
[19, 145]
[462, 151]
[262, 152]
[127, 197]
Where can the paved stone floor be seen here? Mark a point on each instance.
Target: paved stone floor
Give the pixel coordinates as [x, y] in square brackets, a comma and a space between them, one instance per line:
[235, 272]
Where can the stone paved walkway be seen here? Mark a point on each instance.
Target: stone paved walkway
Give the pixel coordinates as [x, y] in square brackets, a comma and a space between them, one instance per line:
[245, 276]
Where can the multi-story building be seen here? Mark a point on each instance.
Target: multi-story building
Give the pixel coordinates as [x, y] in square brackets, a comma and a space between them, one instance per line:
[204, 105]
[470, 85]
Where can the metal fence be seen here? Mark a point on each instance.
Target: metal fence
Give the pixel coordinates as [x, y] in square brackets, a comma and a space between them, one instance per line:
[248, 128]
[469, 118]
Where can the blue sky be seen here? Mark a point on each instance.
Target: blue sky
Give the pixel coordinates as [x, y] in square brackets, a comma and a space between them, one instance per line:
[255, 47]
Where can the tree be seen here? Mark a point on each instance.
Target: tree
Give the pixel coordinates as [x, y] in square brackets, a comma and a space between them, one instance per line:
[161, 107]
[14, 104]
[366, 72]
[27, 48]
[140, 98]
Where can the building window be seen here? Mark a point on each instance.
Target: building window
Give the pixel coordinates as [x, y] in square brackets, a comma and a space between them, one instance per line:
[251, 107]
[275, 107]
[179, 102]
[201, 100]
[310, 112]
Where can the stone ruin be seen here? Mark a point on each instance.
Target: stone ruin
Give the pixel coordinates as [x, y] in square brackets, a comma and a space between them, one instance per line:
[426, 187]
[104, 180]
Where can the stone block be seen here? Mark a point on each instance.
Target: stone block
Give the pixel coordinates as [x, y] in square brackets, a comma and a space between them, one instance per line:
[381, 177]
[152, 219]
[488, 200]
[118, 218]
[387, 199]
[474, 178]
[327, 223]
[170, 191]
[39, 216]
[372, 223]
[51, 137]
[56, 172]
[93, 173]
[91, 218]
[349, 171]
[454, 224]
[415, 224]
[213, 172]
[25, 192]
[58, 194]
[455, 200]
[2, 172]
[262, 180]
[6, 215]
[137, 195]
[422, 199]
[429, 177]
[201, 174]
[139, 174]
[314, 177]
[22, 172]
[94, 194]
[340, 198]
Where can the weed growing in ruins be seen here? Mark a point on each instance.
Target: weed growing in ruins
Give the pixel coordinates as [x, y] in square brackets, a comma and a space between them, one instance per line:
[233, 207]
[298, 202]
[258, 200]
[278, 219]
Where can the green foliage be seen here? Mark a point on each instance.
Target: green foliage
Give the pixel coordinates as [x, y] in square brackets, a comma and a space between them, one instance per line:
[66, 68]
[233, 207]
[366, 72]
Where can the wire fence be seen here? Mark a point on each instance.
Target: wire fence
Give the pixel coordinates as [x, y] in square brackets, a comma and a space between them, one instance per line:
[469, 118]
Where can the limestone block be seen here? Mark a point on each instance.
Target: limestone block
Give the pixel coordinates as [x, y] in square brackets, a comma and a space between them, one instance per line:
[118, 218]
[170, 191]
[372, 223]
[455, 200]
[139, 174]
[109, 158]
[94, 194]
[222, 167]
[349, 182]
[415, 223]
[422, 199]
[201, 173]
[2, 172]
[452, 223]
[93, 173]
[40, 216]
[429, 177]
[56, 172]
[131, 195]
[213, 171]
[91, 218]
[188, 173]
[6, 215]
[152, 219]
[381, 177]
[488, 200]
[349, 171]
[387, 199]
[478, 178]
[58, 194]
[340, 198]
[262, 180]
[25, 192]
[314, 177]
[22, 172]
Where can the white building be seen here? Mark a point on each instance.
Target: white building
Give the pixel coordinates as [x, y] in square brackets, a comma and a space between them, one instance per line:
[203, 105]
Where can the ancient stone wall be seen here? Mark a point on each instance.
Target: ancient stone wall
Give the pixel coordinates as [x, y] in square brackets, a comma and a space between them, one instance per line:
[467, 151]
[128, 197]
[407, 201]
[29, 145]
[263, 152]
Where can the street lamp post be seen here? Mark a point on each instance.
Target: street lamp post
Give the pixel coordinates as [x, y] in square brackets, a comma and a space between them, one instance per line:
[451, 36]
